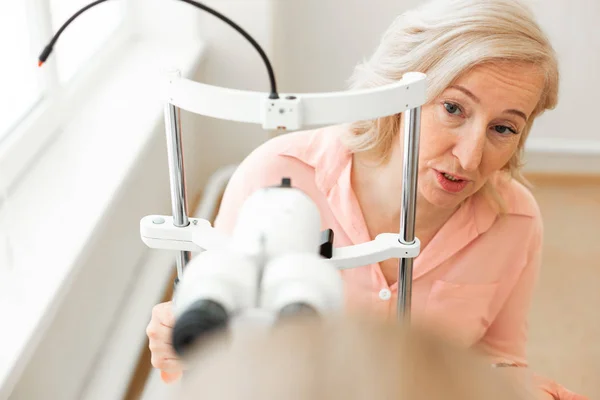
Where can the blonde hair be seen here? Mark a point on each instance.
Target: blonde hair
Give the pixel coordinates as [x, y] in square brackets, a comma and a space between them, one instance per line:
[346, 359]
[445, 39]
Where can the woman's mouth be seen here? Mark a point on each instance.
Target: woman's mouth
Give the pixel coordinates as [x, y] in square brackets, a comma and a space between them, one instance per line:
[450, 183]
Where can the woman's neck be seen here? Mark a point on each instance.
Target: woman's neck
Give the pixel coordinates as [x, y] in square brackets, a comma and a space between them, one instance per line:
[378, 188]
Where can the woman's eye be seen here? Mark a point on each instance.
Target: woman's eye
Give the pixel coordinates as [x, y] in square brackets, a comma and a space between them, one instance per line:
[504, 129]
[452, 108]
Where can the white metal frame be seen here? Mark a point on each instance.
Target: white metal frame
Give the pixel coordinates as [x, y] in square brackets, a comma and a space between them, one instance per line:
[291, 112]
[160, 232]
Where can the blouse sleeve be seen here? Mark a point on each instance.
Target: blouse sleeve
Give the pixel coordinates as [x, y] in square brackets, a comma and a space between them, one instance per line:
[265, 166]
[506, 338]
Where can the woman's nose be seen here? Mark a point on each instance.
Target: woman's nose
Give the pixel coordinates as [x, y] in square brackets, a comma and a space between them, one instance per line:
[468, 149]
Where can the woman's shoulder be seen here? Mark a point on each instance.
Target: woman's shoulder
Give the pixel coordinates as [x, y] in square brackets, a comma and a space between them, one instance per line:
[517, 197]
[290, 155]
[295, 153]
[287, 148]
[518, 200]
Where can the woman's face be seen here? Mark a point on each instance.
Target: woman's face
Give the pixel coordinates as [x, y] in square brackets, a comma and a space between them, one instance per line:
[473, 129]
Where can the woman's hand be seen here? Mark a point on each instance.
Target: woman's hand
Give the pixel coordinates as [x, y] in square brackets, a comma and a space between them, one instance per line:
[159, 332]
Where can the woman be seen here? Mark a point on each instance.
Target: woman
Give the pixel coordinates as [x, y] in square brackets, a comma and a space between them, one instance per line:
[349, 359]
[491, 72]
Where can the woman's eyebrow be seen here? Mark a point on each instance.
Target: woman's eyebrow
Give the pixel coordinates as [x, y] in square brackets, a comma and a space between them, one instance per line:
[467, 92]
[517, 113]
[470, 94]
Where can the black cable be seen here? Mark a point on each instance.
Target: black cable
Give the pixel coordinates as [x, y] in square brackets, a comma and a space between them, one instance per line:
[50, 46]
[274, 95]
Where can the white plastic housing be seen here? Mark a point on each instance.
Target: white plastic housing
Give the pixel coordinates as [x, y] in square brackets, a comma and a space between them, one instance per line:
[301, 278]
[159, 232]
[203, 237]
[384, 247]
[271, 222]
[227, 278]
[282, 114]
[275, 221]
[295, 111]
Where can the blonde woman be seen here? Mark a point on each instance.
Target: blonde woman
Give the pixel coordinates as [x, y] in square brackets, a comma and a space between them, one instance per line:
[491, 72]
[349, 359]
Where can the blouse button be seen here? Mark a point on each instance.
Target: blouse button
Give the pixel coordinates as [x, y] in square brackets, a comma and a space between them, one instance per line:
[385, 294]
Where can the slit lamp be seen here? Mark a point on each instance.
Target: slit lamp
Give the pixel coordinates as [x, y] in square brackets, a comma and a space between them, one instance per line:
[277, 262]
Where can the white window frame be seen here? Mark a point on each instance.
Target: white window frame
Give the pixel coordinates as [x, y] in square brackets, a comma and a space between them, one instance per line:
[27, 140]
[67, 202]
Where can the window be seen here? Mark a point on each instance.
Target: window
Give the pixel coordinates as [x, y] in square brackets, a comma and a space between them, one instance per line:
[28, 94]
[19, 79]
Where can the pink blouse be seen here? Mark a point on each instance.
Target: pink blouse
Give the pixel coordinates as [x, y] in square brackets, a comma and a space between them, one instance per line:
[475, 279]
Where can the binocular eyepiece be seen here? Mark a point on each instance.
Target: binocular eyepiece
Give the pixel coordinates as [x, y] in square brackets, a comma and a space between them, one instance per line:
[273, 268]
[205, 317]
[202, 318]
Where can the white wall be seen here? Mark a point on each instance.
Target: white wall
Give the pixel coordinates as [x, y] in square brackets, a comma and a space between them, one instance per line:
[233, 62]
[317, 43]
[573, 29]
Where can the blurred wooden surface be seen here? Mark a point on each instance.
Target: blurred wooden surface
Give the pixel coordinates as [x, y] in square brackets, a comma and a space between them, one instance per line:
[565, 319]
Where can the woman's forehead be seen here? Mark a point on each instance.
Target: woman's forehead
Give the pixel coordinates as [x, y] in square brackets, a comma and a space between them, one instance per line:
[513, 85]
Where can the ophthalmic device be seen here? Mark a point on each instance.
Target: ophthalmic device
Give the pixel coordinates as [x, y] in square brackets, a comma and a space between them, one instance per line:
[277, 261]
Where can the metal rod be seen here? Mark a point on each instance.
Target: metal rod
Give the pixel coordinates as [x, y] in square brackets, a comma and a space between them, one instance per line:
[177, 176]
[182, 258]
[412, 128]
